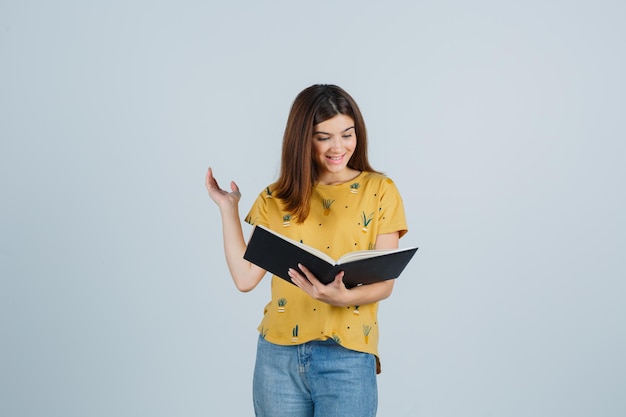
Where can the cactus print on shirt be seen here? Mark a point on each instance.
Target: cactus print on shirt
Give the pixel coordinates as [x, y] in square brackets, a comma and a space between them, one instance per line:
[343, 218]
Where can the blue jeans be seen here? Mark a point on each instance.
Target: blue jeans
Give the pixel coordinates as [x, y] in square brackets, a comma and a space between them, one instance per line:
[314, 379]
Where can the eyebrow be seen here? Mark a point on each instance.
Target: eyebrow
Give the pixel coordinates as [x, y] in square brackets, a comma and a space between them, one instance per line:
[325, 133]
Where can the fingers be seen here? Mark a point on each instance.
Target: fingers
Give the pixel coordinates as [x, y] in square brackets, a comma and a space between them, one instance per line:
[210, 180]
[313, 285]
[312, 279]
[304, 280]
[211, 183]
[339, 277]
[234, 188]
[207, 177]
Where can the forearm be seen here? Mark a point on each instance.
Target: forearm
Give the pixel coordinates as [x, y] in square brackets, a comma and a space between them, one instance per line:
[245, 275]
[367, 294]
[371, 293]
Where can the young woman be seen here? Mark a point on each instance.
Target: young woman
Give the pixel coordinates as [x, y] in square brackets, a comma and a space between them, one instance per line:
[317, 350]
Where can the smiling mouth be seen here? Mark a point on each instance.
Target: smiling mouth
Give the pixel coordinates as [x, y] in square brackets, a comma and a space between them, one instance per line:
[336, 158]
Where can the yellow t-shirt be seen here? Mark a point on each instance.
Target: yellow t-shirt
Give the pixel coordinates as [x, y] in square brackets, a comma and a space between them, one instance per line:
[342, 218]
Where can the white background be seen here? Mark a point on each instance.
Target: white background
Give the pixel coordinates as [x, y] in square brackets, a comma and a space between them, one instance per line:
[501, 122]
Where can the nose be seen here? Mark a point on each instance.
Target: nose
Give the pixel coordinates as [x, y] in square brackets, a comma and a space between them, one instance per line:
[335, 143]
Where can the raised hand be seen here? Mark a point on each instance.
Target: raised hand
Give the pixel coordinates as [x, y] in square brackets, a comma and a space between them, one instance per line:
[245, 275]
[224, 199]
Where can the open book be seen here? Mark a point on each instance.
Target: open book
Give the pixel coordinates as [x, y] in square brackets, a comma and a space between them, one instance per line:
[276, 253]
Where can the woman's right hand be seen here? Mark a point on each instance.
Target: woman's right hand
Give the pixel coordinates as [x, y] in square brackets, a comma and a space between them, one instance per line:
[222, 198]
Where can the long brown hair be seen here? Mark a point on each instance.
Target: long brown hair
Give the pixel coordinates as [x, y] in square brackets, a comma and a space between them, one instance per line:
[298, 172]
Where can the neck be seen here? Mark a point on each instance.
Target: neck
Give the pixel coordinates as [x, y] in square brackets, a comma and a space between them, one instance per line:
[339, 178]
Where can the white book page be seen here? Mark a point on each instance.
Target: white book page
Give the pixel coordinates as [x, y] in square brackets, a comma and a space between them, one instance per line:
[364, 254]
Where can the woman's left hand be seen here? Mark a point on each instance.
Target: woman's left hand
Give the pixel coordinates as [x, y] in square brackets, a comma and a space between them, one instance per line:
[334, 293]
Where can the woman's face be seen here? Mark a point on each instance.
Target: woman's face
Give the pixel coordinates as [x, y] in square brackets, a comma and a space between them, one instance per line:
[334, 142]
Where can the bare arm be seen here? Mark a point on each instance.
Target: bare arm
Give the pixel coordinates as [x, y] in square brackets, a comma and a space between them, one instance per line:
[336, 293]
[245, 274]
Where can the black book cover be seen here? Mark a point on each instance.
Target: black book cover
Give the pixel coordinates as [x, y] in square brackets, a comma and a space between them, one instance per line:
[276, 254]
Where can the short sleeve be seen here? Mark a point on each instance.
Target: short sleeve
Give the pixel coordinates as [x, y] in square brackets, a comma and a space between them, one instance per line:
[391, 214]
[258, 213]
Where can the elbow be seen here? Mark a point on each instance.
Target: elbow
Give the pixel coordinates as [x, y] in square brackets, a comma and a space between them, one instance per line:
[384, 296]
[246, 281]
[388, 290]
[244, 285]
[244, 288]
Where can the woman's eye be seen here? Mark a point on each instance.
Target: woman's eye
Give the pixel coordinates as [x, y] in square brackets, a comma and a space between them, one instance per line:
[322, 138]
[347, 136]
